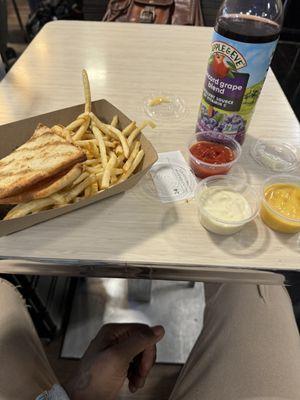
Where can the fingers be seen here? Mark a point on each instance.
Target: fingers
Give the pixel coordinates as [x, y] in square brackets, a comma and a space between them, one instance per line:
[140, 368]
[132, 347]
[147, 361]
[142, 364]
[111, 334]
[135, 380]
[136, 343]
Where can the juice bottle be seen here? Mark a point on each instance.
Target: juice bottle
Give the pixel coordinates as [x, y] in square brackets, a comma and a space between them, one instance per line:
[244, 41]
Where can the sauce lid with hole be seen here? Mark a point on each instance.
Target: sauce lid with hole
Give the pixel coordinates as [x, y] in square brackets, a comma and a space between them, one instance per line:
[171, 182]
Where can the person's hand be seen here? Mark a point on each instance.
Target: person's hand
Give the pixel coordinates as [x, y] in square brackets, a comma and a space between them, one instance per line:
[117, 352]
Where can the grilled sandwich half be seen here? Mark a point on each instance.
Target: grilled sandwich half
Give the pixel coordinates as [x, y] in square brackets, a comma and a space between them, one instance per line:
[45, 155]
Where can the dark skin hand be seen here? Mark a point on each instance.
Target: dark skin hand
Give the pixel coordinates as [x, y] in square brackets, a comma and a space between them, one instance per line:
[119, 351]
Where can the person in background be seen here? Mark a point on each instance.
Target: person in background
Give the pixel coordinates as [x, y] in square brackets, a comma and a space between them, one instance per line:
[34, 5]
[249, 349]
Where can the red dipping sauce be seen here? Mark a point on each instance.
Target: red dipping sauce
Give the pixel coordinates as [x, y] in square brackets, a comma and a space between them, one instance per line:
[210, 158]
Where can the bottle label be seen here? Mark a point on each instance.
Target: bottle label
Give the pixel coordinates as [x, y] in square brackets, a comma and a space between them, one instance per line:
[235, 76]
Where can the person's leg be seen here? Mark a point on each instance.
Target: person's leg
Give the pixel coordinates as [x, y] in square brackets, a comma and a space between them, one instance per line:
[249, 347]
[25, 371]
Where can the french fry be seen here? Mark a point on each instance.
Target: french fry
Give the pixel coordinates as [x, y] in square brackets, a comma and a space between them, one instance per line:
[75, 124]
[113, 179]
[87, 91]
[133, 167]
[129, 128]
[138, 130]
[103, 127]
[88, 154]
[119, 150]
[121, 138]
[101, 144]
[110, 145]
[99, 176]
[96, 168]
[74, 192]
[158, 100]
[94, 188]
[107, 171]
[93, 161]
[58, 198]
[120, 160]
[95, 149]
[57, 206]
[132, 156]
[82, 129]
[29, 208]
[88, 136]
[85, 142]
[114, 121]
[57, 129]
[87, 191]
[117, 171]
[81, 178]
[84, 115]
[150, 123]
[62, 131]
[67, 135]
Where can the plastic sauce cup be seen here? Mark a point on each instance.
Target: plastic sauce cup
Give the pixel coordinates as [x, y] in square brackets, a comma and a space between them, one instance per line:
[272, 217]
[204, 169]
[240, 191]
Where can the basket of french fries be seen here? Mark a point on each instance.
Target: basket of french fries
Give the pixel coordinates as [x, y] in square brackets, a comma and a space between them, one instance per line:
[61, 161]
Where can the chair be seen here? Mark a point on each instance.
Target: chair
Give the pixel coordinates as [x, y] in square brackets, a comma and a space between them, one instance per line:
[17, 12]
[3, 31]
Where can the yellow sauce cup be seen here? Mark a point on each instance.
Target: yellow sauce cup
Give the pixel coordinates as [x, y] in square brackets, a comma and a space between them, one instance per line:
[271, 216]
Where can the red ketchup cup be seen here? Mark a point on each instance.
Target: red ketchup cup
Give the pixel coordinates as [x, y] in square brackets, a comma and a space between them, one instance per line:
[209, 155]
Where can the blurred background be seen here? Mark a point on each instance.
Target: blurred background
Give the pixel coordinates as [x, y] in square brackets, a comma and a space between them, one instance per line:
[21, 20]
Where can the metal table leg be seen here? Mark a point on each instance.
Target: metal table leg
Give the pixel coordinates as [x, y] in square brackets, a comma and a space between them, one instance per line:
[139, 290]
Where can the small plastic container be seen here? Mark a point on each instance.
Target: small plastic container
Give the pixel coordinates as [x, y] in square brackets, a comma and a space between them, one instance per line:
[164, 106]
[276, 155]
[170, 182]
[226, 204]
[204, 169]
[272, 217]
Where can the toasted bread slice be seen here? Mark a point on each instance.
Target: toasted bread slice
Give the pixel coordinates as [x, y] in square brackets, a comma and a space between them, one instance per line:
[45, 188]
[42, 156]
[40, 130]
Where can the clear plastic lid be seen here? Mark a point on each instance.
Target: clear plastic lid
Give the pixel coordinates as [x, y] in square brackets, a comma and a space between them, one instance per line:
[276, 155]
[170, 182]
[164, 106]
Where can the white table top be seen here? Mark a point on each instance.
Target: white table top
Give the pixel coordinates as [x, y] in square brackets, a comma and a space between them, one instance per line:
[125, 62]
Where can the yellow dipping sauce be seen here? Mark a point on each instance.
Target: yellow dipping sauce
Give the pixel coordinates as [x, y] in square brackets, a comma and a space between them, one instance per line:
[281, 207]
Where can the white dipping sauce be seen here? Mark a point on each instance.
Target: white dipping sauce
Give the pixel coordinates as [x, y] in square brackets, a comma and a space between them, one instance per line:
[223, 211]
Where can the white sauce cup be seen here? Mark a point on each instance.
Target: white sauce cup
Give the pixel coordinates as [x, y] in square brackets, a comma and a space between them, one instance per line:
[243, 208]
